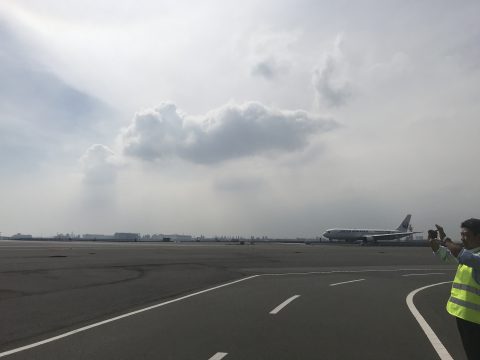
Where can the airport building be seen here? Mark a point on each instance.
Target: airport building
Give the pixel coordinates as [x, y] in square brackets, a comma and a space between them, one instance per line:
[126, 236]
[93, 237]
[166, 238]
[119, 236]
[21, 237]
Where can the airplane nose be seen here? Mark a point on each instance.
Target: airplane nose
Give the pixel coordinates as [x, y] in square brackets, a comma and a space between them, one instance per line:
[326, 233]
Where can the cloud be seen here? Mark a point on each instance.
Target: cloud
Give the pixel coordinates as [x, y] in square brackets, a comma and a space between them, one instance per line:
[240, 184]
[100, 165]
[331, 80]
[398, 66]
[230, 132]
[270, 53]
[41, 116]
[32, 92]
[267, 68]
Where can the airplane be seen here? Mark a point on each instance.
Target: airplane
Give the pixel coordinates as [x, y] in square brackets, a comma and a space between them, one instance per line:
[371, 235]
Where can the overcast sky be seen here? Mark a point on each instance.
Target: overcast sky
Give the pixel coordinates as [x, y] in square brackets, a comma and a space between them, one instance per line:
[277, 118]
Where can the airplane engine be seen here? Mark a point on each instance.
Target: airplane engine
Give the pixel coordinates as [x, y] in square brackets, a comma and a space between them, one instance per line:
[369, 240]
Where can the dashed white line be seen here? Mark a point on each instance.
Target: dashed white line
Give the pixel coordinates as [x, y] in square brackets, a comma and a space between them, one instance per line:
[218, 356]
[434, 340]
[346, 282]
[283, 304]
[423, 274]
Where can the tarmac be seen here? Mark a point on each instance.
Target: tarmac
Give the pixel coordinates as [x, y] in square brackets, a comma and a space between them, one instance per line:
[80, 300]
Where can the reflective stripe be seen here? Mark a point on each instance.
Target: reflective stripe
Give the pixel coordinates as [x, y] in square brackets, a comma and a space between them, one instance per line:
[466, 288]
[465, 304]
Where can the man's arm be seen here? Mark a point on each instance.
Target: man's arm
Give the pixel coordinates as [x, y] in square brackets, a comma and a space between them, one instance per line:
[445, 255]
[443, 252]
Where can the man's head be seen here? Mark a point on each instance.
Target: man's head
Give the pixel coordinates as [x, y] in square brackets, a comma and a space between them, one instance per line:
[471, 233]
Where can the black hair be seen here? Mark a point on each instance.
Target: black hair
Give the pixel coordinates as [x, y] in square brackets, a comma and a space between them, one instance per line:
[472, 224]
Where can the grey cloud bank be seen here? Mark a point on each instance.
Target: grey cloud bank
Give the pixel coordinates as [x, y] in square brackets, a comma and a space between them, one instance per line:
[230, 132]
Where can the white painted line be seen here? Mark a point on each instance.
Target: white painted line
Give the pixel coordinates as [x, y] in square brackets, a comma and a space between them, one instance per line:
[423, 274]
[218, 356]
[346, 282]
[434, 340]
[352, 271]
[76, 331]
[282, 305]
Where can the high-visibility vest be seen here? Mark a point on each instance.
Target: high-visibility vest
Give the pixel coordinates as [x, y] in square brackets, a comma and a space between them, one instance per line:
[464, 299]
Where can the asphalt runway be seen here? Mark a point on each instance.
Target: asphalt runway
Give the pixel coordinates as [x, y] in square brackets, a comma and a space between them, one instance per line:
[221, 301]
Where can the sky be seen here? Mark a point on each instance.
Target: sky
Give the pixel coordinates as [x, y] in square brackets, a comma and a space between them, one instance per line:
[278, 118]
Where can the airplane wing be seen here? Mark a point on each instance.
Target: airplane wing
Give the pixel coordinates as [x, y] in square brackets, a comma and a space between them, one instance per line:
[392, 236]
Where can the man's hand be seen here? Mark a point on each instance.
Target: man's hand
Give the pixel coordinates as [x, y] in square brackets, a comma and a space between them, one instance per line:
[441, 232]
[454, 248]
[434, 244]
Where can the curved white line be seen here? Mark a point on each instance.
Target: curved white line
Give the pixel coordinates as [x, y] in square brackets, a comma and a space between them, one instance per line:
[434, 340]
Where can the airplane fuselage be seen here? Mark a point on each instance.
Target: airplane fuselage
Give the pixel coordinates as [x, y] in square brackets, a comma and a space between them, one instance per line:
[360, 234]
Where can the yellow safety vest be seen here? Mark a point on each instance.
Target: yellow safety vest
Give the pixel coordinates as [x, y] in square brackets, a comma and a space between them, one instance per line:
[464, 299]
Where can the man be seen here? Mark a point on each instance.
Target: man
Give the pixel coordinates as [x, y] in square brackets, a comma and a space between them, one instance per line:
[464, 302]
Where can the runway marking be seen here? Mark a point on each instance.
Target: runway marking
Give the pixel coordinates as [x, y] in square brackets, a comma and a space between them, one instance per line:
[346, 282]
[76, 331]
[218, 356]
[282, 305]
[434, 340]
[423, 274]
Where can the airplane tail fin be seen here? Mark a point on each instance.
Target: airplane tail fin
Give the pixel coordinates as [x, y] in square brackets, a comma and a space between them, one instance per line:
[404, 225]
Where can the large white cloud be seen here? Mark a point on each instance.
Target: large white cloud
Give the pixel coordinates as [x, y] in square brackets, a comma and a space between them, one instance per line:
[230, 132]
